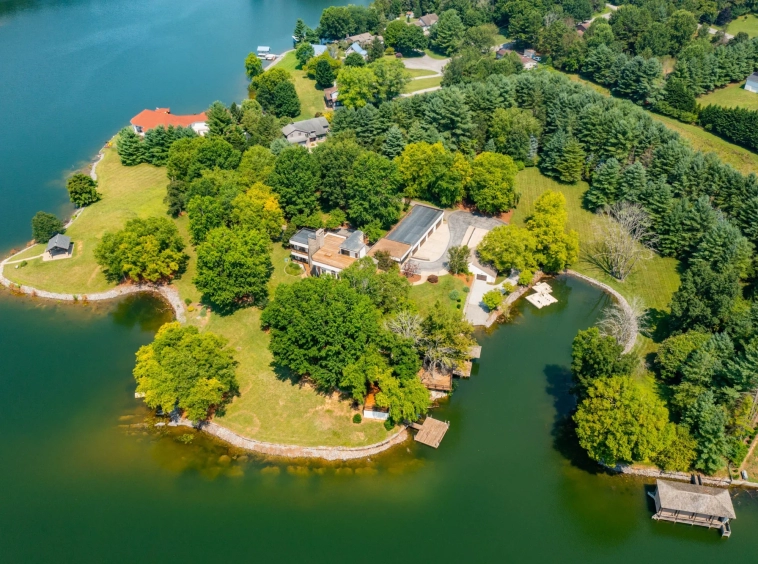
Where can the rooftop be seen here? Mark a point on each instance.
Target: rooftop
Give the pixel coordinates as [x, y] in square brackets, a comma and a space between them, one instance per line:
[753, 77]
[319, 126]
[412, 227]
[319, 50]
[330, 254]
[427, 21]
[396, 250]
[303, 235]
[358, 49]
[149, 119]
[263, 49]
[705, 500]
[354, 242]
[59, 242]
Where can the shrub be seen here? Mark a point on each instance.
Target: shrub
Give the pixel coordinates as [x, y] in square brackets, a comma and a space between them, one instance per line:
[508, 288]
[493, 299]
[357, 418]
[384, 260]
[433, 279]
[525, 277]
[186, 438]
[187, 301]
[191, 308]
[454, 295]
[389, 51]
[389, 425]
[466, 289]
[23, 264]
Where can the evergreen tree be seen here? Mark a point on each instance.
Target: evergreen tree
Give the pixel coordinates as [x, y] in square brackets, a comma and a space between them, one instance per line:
[129, 147]
[570, 164]
[304, 53]
[324, 74]
[633, 182]
[448, 32]
[605, 185]
[300, 29]
[219, 118]
[393, 142]
[285, 100]
[707, 422]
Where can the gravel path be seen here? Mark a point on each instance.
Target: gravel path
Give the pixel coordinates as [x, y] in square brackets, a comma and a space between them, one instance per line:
[458, 222]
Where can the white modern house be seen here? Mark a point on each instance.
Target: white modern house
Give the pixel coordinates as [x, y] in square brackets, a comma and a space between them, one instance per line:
[308, 132]
[327, 252]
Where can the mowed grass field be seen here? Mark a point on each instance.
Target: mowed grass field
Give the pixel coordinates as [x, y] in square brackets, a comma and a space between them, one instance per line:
[128, 192]
[747, 24]
[422, 84]
[731, 96]
[311, 99]
[654, 281]
[426, 295]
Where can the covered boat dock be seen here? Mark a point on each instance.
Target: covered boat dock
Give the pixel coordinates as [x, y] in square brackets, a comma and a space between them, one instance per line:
[691, 504]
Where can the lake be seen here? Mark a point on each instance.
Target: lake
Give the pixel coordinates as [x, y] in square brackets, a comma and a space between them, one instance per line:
[85, 480]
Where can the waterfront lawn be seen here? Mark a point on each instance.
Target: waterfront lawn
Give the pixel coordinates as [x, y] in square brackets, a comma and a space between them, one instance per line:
[654, 281]
[128, 192]
[425, 295]
[422, 83]
[748, 24]
[731, 96]
[311, 99]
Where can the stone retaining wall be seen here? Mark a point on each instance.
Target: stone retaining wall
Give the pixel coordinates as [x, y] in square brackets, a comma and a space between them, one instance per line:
[294, 451]
[680, 476]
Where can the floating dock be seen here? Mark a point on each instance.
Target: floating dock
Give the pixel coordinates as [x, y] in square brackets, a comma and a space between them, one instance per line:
[542, 296]
[431, 431]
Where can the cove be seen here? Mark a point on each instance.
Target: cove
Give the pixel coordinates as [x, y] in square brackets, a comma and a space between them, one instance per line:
[85, 483]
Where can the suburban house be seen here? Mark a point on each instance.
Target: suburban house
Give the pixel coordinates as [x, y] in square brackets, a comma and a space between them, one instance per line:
[150, 119]
[327, 252]
[426, 22]
[58, 247]
[330, 97]
[363, 39]
[413, 231]
[751, 85]
[308, 132]
[356, 48]
[528, 63]
[582, 27]
[320, 50]
[692, 504]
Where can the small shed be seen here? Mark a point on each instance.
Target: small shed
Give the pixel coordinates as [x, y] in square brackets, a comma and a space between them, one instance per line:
[691, 504]
[58, 247]
[751, 85]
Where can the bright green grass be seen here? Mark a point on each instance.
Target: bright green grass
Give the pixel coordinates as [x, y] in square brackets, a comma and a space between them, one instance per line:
[415, 73]
[128, 192]
[425, 295]
[311, 99]
[748, 24]
[422, 84]
[32, 251]
[435, 54]
[731, 96]
[742, 159]
[654, 281]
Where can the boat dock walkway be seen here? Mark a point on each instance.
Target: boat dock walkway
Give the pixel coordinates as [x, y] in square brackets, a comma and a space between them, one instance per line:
[431, 431]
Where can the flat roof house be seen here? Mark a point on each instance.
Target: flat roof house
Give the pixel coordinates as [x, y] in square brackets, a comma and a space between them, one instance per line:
[327, 252]
[751, 85]
[413, 231]
[307, 132]
[693, 505]
[356, 48]
[150, 119]
[426, 22]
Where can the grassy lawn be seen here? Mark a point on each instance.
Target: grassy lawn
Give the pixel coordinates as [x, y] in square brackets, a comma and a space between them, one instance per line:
[748, 24]
[311, 99]
[742, 159]
[731, 96]
[422, 83]
[435, 54]
[415, 73]
[128, 192]
[654, 281]
[425, 295]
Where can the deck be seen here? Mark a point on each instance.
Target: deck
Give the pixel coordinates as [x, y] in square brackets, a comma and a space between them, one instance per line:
[431, 431]
[438, 382]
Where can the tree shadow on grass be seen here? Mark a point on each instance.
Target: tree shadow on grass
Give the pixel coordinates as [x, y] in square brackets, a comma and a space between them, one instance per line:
[565, 441]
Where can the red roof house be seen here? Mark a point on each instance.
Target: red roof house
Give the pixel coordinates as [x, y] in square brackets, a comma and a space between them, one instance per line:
[150, 119]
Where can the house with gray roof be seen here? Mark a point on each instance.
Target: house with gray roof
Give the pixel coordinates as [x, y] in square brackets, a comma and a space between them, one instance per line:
[356, 48]
[327, 252]
[307, 132]
[58, 247]
[426, 22]
[411, 233]
[751, 85]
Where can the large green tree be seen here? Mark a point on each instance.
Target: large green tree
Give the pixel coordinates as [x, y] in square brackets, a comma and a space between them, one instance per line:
[295, 179]
[185, 369]
[447, 33]
[508, 246]
[234, 267]
[145, 250]
[492, 185]
[45, 226]
[373, 191]
[596, 356]
[82, 190]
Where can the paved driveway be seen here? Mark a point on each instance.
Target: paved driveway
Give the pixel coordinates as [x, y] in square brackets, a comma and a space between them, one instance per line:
[426, 63]
[458, 222]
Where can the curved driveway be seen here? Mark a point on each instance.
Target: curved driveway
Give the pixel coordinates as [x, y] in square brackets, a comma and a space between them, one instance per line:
[458, 222]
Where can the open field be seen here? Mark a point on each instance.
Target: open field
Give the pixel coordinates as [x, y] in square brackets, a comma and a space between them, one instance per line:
[654, 281]
[128, 192]
[748, 24]
[425, 295]
[731, 96]
[311, 99]
[422, 83]
[415, 73]
[742, 159]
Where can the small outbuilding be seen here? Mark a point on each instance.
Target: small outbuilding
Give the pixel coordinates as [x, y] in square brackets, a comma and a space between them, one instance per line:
[691, 504]
[58, 247]
[751, 85]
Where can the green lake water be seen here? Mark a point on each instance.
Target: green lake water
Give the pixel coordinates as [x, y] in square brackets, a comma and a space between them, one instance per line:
[81, 478]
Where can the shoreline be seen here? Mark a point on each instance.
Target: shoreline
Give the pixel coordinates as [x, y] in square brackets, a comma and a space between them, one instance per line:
[295, 451]
[679, 476]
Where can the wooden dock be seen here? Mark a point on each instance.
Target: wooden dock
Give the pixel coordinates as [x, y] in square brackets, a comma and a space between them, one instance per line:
[431, 431]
